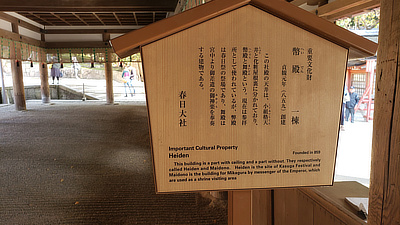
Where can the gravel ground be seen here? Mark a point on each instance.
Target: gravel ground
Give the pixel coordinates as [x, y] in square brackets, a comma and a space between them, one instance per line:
[74, 162]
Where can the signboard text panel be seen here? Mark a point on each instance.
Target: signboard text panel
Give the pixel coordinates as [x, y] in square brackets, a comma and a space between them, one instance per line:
[242, 101]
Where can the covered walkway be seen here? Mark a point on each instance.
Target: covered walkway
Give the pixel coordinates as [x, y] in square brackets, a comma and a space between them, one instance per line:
[74, 162]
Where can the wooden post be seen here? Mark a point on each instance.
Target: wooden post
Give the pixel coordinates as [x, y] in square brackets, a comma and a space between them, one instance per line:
[44, 87]
[15, 28]
[108, 72]
[253, 207]
[109, 80]
[18, 84]
[384, 196]
[261, 207]
[239, 207]
[3, 86]
[370, 74]
[18, 77]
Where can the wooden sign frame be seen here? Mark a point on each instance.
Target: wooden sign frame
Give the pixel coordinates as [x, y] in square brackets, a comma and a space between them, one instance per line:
[259, 128]
[243, 102]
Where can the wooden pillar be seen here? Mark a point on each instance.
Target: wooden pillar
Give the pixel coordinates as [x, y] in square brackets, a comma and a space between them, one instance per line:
[348, 79]
[370, 69]
[15, 28]
[252, 207]
[109, 80]
[261, 204]
[17, 74]
[108, 72]
[384, 196]
[18, 84]
[3, 86]
[18, 77]
[44, 87]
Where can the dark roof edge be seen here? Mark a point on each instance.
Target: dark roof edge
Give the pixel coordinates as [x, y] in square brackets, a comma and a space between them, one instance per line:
[124, 44]
[358, 46]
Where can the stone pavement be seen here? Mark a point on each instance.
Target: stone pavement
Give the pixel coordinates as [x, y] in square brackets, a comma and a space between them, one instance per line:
[74, 162]
[353, 161]
[87, 162]
[93, 87]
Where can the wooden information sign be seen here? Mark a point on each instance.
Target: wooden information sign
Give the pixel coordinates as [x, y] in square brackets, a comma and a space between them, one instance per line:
[244, 100]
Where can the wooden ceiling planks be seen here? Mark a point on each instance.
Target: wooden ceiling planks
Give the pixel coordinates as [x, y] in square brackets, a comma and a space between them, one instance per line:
[87, 6]
[358, 46]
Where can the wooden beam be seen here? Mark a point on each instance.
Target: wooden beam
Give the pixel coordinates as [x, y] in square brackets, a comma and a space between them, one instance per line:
[59, 17]
[358, 46]
[87, 31]
[7, 17]
[116, 17]
[87, 6]
[134, 16]
[354, 10]
[21, 23]
[97, 17]
[338, 6]
[30, 26]
[173, 24]
[79, 18]
[21, 38]
[298, 2]
[87, 44]
[384, 195]
[31, 41]
[41, 18]
[317, 2]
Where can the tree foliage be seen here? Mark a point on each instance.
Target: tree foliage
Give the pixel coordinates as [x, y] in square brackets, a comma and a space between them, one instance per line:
[365, 21]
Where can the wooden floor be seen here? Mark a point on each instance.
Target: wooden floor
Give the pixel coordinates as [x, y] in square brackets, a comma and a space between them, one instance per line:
[86, 163]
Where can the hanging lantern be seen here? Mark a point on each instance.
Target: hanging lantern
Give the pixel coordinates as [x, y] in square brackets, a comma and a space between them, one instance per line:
[62, 65]
[17, 62]
[31, 64]
[120, 64]
[43, 65]
[92, 65]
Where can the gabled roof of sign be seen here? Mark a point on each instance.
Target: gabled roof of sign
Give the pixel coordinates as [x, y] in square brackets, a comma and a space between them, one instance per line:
[359, 47]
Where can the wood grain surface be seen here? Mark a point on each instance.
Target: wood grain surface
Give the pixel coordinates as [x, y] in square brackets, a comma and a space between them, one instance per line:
[243, 102]
[384, 205]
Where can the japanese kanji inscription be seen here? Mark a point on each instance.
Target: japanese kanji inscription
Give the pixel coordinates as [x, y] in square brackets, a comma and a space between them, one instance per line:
[243, 103]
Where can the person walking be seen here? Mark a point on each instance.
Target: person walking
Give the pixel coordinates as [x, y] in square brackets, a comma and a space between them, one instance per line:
[55, 72]
[133, 77]
[351, 104]
[346, 98]
[76, 67]
[126, 76]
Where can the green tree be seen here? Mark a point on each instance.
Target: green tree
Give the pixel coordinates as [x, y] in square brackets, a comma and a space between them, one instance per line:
[365, 21]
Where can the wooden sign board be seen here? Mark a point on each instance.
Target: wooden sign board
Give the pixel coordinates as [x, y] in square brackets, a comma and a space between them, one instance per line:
[244, 100]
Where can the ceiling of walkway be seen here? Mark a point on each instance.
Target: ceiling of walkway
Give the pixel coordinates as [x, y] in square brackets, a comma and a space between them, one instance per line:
[91, 23]
[95, 18]
[91, 12]
[143, 12]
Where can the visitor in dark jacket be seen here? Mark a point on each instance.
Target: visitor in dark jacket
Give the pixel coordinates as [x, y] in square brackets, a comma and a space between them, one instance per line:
[351, 104]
